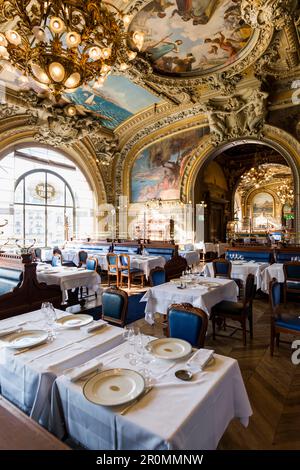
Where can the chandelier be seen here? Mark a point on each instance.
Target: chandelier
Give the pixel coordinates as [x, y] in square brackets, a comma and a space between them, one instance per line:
[257, 176]
[63, 44]
[285, 193]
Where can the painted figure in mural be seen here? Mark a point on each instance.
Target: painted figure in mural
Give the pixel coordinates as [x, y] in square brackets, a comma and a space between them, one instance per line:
[199, 12]
[185, 64]
[163, 47]
[158, 7]
[226, 44]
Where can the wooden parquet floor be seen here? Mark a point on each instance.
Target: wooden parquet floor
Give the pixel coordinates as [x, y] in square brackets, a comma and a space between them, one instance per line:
[273, 385]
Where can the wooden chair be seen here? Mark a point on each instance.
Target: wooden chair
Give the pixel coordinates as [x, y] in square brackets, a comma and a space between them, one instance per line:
[82, 255]
[112, 267]
[127, 271]
[115, 306]
[237, 311]
[291, 284]
[175, 266]
[222, 268]
[187, 322]
[91, 265]
[280, 322]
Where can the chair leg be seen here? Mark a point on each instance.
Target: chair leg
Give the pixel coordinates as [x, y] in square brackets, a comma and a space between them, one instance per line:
[108, 279]
[250, 319]
[143, 280]
[117, 276]
[121, 281]
[129, 281]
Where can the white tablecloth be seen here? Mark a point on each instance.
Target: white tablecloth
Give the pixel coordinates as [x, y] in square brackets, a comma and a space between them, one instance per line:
[241, 271]
[219, 248]
[192, 257]
[26, 379]
[274, 270]
[69, 278]
[174, 415]
[159, 298]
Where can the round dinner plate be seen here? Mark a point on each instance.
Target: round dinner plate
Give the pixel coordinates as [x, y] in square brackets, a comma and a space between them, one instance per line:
[114, 387]
[26, 339]
[169, 348]
[74, 321]
[209, 284]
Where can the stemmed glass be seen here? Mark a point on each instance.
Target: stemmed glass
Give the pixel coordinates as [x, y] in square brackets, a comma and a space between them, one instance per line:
[50, 316]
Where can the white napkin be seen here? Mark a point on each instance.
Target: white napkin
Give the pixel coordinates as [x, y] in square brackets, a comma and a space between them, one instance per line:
[97, 325]
[201, 358]
[8, 331]
[88, 368]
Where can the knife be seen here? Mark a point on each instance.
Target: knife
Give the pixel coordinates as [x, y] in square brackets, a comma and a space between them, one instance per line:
[134, 402]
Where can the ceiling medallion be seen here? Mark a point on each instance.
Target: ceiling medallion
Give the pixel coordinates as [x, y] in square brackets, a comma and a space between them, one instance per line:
[65, 44]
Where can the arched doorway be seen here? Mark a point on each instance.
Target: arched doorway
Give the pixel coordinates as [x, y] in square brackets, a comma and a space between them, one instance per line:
[283, 148]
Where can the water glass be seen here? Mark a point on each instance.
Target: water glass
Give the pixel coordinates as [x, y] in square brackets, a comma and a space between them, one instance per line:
[50, 317]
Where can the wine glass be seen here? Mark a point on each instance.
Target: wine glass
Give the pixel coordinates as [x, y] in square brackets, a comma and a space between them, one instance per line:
[50, 316]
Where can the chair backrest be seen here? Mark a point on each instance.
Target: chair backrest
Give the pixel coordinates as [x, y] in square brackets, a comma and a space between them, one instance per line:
[124, 261]
[57, 251]
[274, 295]
[114, 306]
[56, 260]
[291, 271]
[188, 323]
[157, 276]
[91, 264]
[112, 260]
[175, 266]
[249, 290]
[222, 268]
[38, 253]
[82, 255]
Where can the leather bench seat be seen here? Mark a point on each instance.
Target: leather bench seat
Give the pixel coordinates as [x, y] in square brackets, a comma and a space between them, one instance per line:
[259, 256]
[167, 253]
[9, 279]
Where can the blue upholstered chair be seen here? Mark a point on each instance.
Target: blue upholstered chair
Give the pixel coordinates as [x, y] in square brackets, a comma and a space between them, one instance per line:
[222, 268]
[112, 267]
[237, 311]
[114, 306]
[127, 271]
[157, 276]
[91, 264]
[82, 256]
[187, 322]
[280, 322]
[291, 278]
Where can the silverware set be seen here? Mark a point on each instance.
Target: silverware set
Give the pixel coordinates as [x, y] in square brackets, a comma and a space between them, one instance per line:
[134, 402]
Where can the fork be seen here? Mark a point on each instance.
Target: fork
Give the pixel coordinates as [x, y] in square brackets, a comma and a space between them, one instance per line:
[134, 402]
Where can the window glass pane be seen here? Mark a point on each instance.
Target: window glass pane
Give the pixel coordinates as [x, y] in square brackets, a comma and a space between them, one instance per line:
[55, 190]
[19, 194]
[55, 225]
[69, 224]
[35, 189]
[35, 224]
[18, 222]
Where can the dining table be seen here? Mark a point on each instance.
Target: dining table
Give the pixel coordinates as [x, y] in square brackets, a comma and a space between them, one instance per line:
[27, 375]
[68, 278]
[240, 270]
[169, 415]
[201, 292]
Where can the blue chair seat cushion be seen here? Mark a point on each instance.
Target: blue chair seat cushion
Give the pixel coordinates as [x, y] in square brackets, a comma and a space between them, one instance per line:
[293, 285]
[229, 308]
[132, 271]
[112, 270]
[288, 321]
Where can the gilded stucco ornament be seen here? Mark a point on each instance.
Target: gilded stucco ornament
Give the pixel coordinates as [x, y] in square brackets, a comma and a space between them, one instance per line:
[258, 13]
[236, 116]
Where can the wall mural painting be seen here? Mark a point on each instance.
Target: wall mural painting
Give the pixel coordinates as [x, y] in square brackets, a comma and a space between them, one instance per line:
[263, 210]
[184, 36]
[157, 170]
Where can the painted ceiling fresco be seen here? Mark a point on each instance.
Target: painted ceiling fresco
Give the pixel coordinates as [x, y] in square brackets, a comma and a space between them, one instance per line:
[113, 103]
[192, 36]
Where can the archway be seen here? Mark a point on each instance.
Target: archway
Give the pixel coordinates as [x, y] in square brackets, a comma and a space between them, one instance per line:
[273, 138]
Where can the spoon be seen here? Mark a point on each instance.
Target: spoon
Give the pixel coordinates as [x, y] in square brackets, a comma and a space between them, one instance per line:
[184, 374]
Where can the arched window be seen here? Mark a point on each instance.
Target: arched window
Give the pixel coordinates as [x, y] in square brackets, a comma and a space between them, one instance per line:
[44, 208]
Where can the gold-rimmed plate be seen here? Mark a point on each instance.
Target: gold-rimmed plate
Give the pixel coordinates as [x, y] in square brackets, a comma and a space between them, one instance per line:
[169, 348]
[26, 339]
[114, 387]
[74, 321]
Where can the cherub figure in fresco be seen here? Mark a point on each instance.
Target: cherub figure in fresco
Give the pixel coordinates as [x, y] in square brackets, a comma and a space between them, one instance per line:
[226, 44]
